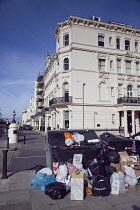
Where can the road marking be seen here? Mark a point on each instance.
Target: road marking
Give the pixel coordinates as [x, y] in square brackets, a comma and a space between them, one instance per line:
[32, 156]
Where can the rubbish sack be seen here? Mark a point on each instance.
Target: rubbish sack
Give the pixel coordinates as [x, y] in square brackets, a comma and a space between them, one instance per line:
[36, 179]
[78, 137]
[47, 180]
[71, 168]
[109, 170]
[62, 173]
[97, 170]
[56, 190]
[112, 156]
[117, 183]
[101, 187]
[130, 177]
[46, 171]
[68, 139]
[102, 156]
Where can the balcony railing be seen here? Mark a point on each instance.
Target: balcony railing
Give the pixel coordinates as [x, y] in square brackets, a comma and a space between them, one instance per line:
[61, 100]
[133, 100]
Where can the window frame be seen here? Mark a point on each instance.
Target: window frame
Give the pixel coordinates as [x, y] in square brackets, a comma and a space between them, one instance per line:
[120, 90]
[100, 65]
[119, 68]
[110, 41]
[118, 43]
[127, 46]
[128, 70]
[136, 46]
[100, 42]
[137, 68]
[66, 41]
[129, 91]
[65, 119]
[66, 65]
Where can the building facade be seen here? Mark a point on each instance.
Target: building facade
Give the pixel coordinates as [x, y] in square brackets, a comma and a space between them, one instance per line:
[92, 81]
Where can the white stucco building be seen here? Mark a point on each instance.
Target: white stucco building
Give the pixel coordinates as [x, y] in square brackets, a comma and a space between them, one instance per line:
[93, 79]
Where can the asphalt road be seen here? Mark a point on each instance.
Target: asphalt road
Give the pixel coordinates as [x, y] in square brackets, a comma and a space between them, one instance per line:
[32, 153]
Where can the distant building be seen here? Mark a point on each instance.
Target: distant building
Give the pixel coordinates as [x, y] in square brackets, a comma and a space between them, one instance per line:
[92, 81]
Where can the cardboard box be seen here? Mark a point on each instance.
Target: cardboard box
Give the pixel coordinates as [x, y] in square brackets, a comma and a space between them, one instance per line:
[137, 172]
[117, 166]
[124, 157]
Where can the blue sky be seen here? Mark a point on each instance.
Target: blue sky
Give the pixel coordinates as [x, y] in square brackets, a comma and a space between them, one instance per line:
[26, 34]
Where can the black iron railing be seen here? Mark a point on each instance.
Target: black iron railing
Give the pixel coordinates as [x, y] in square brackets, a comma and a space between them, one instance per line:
[60, 100]
[133, 100]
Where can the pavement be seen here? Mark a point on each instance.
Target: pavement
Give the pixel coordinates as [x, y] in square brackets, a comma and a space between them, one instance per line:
[17, 194]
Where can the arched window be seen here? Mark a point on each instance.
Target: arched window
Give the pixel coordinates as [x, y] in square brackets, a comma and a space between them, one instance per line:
[66, 64]
[129, 91]
[66, 92]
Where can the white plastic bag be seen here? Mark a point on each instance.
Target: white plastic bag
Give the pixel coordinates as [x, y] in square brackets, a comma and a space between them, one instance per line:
[130, 177]
[117, 182]
[69, 142]
[46, 171]
[131, 181]
[77, 161]
[62, 173]
[78, 137]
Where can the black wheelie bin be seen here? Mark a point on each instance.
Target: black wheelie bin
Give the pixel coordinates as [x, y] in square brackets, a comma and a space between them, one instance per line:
[58, 151]
[118, 143]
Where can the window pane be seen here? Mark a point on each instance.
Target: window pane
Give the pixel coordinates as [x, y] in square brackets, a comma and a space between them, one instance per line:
[137, 68]
[101, 64]
[129, 91]
[128, 67]
[136, 46]
[66, 115]
[119, 66]
[120, 90]
[127, 45]
[66, 39]
[138, 90]
[100, 40]
[66, 64]
[118, 43]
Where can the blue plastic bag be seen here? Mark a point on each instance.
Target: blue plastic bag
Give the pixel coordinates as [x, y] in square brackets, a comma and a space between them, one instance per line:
[47, 180]
[36, 179]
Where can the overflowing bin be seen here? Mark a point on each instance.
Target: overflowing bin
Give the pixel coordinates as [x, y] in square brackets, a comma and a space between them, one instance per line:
[58, 151]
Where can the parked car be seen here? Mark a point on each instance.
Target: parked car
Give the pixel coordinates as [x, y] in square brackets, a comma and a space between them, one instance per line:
[27, 127]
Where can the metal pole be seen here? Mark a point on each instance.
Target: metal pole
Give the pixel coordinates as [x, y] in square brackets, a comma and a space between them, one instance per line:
[8, 143]
[94, 120]
[4, 168]
[24, 139]
[83, 105]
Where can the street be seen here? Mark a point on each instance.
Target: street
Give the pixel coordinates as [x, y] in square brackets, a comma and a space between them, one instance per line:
[32, 153]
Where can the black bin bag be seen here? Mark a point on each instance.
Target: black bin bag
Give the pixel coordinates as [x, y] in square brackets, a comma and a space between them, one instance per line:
[56, 190]
[96, 169]
[113, 156]
[101, 187]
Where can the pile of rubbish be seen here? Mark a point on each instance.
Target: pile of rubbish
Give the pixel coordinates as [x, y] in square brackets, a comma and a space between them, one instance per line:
[107, 172]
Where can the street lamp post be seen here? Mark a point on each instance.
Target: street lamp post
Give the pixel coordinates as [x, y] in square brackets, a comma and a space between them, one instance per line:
[14, 114]
[83, 105]
[0, 123]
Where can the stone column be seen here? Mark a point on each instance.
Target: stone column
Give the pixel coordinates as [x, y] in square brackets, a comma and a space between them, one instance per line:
[133, 122]
[125, 124]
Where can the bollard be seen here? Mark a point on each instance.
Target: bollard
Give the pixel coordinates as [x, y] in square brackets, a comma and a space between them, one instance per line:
[24, 139]
[8, 143]
[4, 168]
